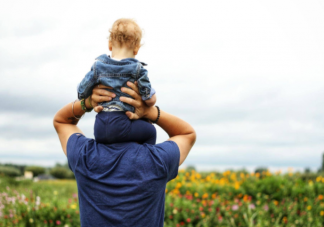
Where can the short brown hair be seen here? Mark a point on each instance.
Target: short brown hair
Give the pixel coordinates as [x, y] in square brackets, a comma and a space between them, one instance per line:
[125, 32]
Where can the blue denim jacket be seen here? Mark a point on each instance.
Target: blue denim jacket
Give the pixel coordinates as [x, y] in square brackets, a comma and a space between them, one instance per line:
[115, 74]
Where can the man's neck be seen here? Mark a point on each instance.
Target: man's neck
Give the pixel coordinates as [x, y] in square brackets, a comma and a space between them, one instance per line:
[122, 53]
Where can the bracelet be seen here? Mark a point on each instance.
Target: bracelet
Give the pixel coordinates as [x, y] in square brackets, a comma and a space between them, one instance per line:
[73, 111]
[84, 108]
[157, 116]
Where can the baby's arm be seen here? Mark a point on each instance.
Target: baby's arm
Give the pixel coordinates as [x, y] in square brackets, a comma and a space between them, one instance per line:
[145, 89]
[86, 85]
[151, 101]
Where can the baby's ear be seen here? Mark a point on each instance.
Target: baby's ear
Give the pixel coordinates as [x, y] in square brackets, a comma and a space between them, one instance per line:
[110, 45]
[135, 51]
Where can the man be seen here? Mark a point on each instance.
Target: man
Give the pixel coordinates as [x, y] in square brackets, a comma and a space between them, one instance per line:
[122, 184]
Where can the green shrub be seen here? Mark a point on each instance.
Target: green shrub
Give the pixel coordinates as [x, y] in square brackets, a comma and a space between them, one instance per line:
[61, 173]
[37, 170]
[9, 171]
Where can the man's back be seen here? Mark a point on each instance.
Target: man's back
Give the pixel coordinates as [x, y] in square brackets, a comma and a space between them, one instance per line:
[121, 184]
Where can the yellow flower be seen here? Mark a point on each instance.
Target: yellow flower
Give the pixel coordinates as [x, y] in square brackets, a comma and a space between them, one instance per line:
[320, 197]
[55, 192]
[318, 179]
[166, 190]
[309, 207]
[203, 214]
[237, 185]
[205, 196]
[257, 174]
[305, 199]
[31, 220]
[275, 202]
[196, 194]
[73, 206]
[322, 213]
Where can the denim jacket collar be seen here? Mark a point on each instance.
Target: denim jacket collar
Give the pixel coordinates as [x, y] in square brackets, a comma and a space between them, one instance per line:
[108, 60]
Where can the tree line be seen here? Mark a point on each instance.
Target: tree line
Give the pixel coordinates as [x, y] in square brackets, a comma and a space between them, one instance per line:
[59, 171]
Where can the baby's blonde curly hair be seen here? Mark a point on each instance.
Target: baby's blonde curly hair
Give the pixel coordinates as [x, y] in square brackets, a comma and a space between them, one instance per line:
[125, 32]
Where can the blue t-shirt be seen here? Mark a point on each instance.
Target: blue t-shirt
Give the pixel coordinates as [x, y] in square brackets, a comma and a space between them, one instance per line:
[122, 184]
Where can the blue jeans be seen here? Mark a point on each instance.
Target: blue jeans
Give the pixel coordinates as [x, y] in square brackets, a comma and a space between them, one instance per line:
[115, 127]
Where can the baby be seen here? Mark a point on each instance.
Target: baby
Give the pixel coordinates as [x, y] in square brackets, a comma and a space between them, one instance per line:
[112, 124]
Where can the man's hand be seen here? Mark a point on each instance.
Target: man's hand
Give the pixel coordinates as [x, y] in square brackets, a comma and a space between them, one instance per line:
[100, 94]
[141, 109]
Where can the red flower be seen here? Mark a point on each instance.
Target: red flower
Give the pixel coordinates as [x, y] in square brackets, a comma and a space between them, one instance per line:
[188, 220]
[58, 222]
[182, 223]
[170, 216]
[45, 222]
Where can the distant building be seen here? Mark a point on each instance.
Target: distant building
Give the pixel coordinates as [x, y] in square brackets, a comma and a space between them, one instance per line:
[28, 175]
[43, 177]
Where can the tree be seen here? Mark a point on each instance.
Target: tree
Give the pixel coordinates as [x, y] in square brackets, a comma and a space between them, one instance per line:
[61, 173]
[323, 162]
[36, 170]
[260, 170]
[9, 171]
[307, 170]
[189, 168]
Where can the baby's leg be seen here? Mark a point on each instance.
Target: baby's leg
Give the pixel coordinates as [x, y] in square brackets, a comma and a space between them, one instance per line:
[143, 132]
[115, 127]
[111, 127]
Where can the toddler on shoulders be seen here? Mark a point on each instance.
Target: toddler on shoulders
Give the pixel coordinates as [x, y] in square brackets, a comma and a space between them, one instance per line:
[112, 124]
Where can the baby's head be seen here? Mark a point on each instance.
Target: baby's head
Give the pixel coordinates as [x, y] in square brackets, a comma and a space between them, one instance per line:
[125, 34]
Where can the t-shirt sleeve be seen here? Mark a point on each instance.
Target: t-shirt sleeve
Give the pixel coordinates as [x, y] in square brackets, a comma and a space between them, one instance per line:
[74, 147]
[170, 155]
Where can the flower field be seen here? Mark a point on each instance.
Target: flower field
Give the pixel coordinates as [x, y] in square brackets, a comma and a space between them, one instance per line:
[192, 199]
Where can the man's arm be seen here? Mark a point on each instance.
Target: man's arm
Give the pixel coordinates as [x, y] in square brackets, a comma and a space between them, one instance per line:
[64, 121]
[178, 130]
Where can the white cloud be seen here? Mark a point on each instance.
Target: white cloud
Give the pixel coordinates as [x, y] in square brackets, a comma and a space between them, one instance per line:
[248, 75]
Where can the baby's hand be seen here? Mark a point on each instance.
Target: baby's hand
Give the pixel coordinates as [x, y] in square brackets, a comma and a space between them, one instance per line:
[151, 101]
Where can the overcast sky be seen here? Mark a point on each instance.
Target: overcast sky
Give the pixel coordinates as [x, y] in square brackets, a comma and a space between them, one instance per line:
[248, 75]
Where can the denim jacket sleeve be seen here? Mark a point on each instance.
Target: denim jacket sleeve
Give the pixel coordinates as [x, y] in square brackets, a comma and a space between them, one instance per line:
[87, 84]
[144, 85]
